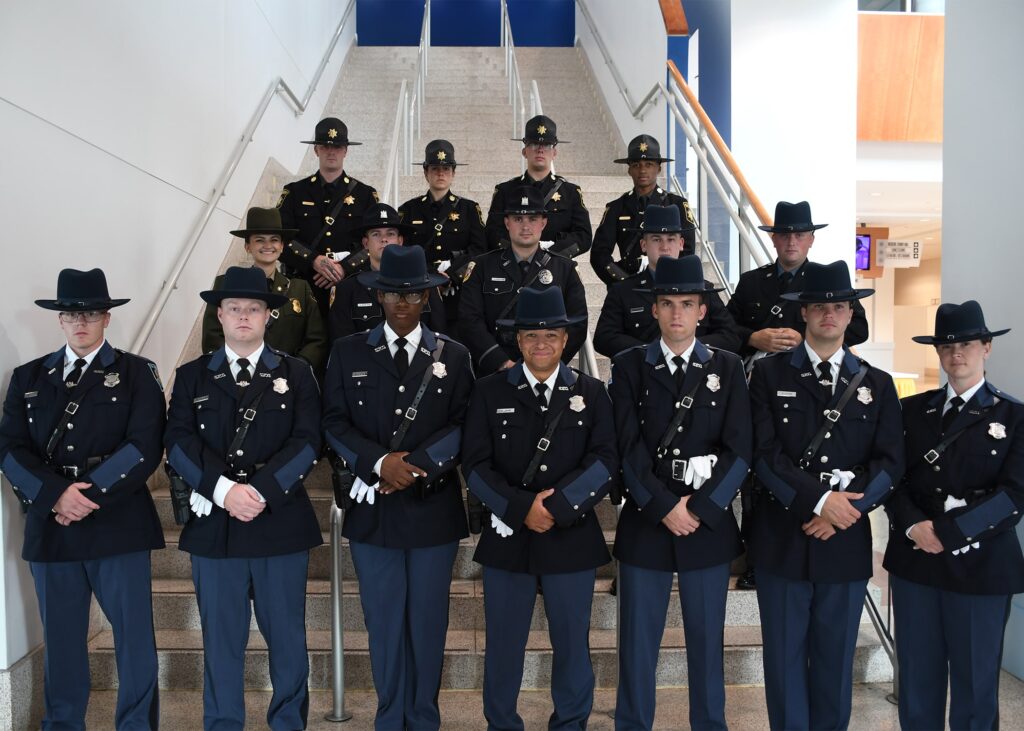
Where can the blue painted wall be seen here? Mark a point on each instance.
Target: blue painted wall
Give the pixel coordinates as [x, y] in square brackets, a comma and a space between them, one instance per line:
[543, 22]
[389, 22]
[465, 22]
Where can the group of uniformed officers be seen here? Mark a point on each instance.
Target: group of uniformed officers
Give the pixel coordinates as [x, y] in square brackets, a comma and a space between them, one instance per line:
[442, 344]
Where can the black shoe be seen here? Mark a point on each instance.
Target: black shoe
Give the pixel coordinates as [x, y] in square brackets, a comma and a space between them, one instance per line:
[746, 581]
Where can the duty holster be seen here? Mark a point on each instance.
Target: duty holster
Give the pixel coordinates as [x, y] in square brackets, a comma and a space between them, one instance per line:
[180, 493]
[476, 512]
[341, 481]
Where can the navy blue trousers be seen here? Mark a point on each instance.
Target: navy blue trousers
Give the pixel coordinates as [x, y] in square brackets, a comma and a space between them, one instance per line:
[508, 608]
[948, 637]
[122, 585]
[644, 596]
[405, 594]
[809, 633]
[277, 586]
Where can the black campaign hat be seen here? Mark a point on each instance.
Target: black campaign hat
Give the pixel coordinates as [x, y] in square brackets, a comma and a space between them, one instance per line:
[248, 283]
[643, 147]
[265, 221]
[827, 283]
[541, 309]
[684, 275]
[439, 152]
[524, 201]
[792, 218]
[79, 291]
[402, 269]
[662, 220]
[381, 215]
[958, 324]
[542, 130]
[331, 131]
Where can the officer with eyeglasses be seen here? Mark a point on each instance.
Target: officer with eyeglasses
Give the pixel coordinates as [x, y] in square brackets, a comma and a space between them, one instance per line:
[81, 433]
[355, 307]
[568, 229]
[394, 405]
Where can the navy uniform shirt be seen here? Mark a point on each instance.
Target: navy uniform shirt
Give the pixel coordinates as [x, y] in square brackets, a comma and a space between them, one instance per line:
[789, 407]
[491, 288]
[279, 450]
[365, 403]
[568, 223]
[626, 319]
[619, 222]
[756, 305]
[114, 441]
[449, 229]
[355, 309]
[646, 399]
[984, 467]
[503, 426]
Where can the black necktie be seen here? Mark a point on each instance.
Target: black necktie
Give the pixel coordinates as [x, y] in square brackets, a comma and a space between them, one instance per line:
[542, 395]
[642, 202]
[401, 356]
[76, 373]
[244, 376]
[784, 280]
[825, 378]
[954, 408]
[524, 268]
[680, 373]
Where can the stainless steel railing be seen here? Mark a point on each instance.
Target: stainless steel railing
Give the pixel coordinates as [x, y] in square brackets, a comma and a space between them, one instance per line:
[400, 138]
[419, 89]
[515, 85]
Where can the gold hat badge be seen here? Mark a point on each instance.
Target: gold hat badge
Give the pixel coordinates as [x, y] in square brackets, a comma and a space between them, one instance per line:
[542, 130]
[332, 133]
[441, 155]
[643, 147]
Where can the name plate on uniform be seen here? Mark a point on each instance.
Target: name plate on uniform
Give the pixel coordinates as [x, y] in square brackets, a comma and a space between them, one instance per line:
[505, 411]
[786, 394]
[364, 304]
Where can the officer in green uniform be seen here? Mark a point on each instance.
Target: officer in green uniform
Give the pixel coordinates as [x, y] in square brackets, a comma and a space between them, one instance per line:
[296, 327]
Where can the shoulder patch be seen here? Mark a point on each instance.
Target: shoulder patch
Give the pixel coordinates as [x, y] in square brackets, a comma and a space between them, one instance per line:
[376, 198]
[479, 213]
[469, 272]
[156, 374]
[284, 194]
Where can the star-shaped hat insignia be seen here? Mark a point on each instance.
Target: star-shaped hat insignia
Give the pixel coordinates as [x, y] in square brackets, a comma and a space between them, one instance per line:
[643, 147]
[441, 155]
[332, 133]
[541, 130]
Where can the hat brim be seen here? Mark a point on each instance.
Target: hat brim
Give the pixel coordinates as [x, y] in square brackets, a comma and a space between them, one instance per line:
[526, 212]
[800, 228]
[81, 306]
[403, 228]
[526, 141]
[216, 296]
[963, 338]
[685, 289]
[331, 143]
[286, 234]
[446, 163]
[627, 160]
[542, 324]
[375, 280]
[846, 295]
[643, 231]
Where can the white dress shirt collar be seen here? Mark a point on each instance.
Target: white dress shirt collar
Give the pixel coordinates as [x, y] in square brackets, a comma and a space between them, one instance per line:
[233, 357]
[71, 356]
[412, 340]
[669, 355]
[966, 395]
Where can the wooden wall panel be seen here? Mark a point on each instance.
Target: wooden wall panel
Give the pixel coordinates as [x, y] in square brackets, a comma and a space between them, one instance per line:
[675, 18]
[899, 83]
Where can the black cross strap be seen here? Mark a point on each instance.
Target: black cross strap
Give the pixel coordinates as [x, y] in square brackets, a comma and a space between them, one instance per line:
[65, 420]
[676, 426]
[554, 189]
[832, 416]
[329, 219]
[543, 261]
[545, 441]
[410, 413]
[248, 416]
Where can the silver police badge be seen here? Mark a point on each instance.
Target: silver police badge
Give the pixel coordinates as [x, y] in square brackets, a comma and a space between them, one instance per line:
[111, 379]
[997, 430]
[439, 370]
[280, 385]
[864, 395]
[576, 403]
[714, 382]
[544, 277]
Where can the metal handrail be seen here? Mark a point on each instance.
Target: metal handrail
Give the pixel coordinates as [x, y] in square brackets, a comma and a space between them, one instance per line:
[394, 168]
[515, 86]
[419, 90]
[338, 712]
[278, 86]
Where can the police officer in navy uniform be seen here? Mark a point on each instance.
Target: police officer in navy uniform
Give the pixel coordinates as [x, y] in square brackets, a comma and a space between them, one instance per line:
[325, 207]
[493, 282]
[768, 322]
[449, 228]
[243, 431]
[81, 433]
[568, 230]
[627, 319]
[538, 449]
[355, 307]
[297, 327]
[622, 223]
[954, 558]
[394, 407]
[811, 534]
[682, 415]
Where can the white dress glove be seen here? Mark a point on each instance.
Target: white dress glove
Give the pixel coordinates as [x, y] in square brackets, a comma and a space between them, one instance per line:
[546, 245]
[200, 505]
[951, 504]
[444, 266]
[643, 263]
[843, 478]
[499, 527]
[339, 255]
[361, 491]
[698, 469]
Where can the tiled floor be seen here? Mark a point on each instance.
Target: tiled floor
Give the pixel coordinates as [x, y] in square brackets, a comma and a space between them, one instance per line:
[461, 710]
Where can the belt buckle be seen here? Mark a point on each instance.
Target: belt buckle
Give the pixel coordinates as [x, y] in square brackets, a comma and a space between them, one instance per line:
[329, 220]
[832, 415]
[241, 475]
[825, 476]
[679, 469]
[69, 470]
[410, 414]
[686, 403]
[543, 444]
[776, 310]
[931, 457]
[71, 408]
[249, 414]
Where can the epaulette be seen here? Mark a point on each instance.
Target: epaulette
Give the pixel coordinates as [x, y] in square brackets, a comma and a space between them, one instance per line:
[1002, 394]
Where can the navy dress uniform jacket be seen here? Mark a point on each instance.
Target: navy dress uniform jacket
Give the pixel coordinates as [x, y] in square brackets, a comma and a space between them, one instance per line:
[492, 282]
[449, 229]
[789, 407]
[365, 402]
[619, 222]
[985, 467]
[626, 320]
[503, 427]
[278, 452]
[120, 418]
[645, 398]
[355, 309]
[756, 305]
[568, 219]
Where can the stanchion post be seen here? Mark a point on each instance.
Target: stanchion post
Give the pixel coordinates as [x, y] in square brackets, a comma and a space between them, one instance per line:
[338, 712]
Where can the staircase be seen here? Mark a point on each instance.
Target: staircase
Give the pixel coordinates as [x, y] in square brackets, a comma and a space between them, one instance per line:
[466, 102]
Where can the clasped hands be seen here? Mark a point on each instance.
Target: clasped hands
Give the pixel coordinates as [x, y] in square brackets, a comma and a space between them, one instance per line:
[72, 505]
[395, 474]
[327, 271]
[837, 510]
[539, 519]
[680, 520]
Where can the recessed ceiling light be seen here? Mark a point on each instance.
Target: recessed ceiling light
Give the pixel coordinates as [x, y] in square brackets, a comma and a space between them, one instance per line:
[876, 195]
[924, 220]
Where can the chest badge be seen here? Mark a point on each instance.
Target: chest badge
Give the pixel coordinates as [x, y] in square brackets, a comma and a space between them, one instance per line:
[556, 197]
[296, 306]
[439, 370]
[997, 430]
[864, 395]
[453, 216]
[714, 382]
[576, 403]
[280, 385]
[544, 277]
[349, 200]
[111, 379]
